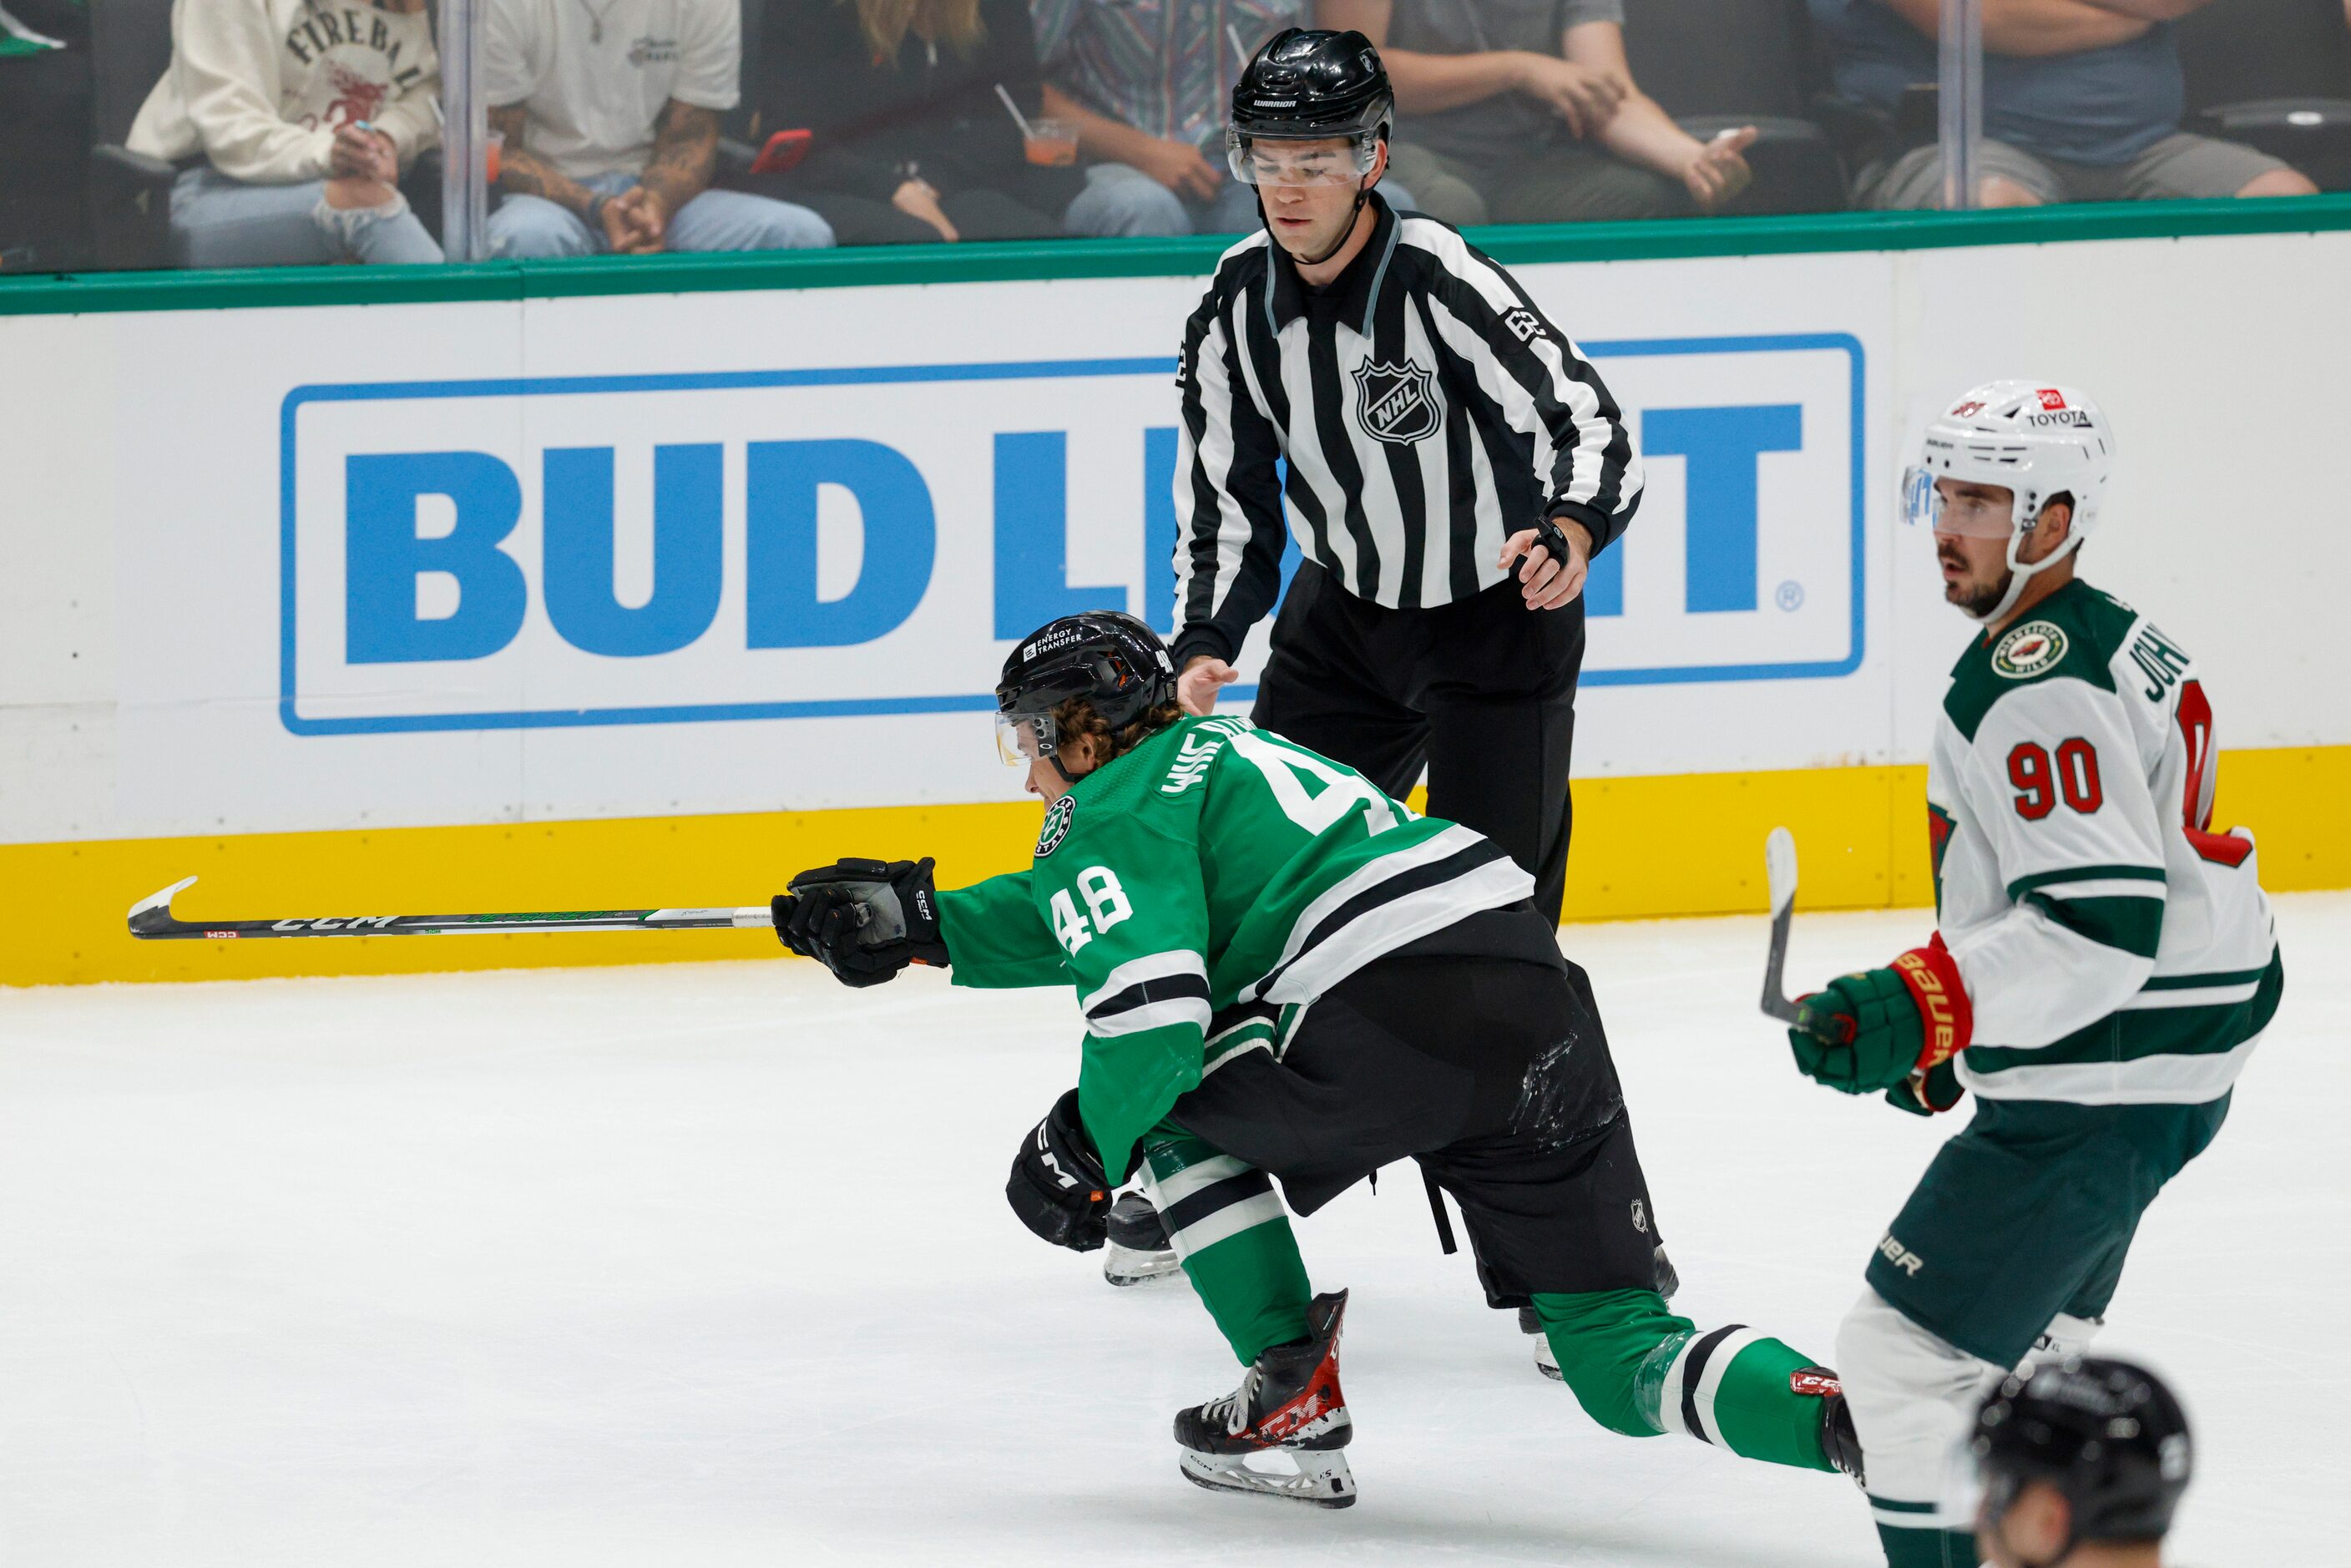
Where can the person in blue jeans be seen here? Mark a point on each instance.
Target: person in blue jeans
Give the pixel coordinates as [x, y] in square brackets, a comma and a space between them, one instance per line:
[2082, 102]
[609, 120]
[1146, 83]
[294, 129]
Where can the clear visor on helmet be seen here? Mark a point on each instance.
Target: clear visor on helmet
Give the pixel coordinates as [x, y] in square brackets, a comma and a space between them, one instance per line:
[1968, 511]
[1261, 160]
[1022, 737]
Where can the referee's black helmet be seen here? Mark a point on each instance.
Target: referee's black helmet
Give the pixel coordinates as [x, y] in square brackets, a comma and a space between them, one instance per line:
[1309, 83]
[2107, 1434]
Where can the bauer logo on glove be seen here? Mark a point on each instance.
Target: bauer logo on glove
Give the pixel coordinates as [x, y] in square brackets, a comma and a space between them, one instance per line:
[1894, 1030]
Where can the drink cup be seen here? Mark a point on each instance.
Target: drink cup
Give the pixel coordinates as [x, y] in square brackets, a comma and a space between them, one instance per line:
[496, 143]
[1053, 142]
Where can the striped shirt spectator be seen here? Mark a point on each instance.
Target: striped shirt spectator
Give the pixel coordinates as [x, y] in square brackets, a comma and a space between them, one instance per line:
[1146, 83]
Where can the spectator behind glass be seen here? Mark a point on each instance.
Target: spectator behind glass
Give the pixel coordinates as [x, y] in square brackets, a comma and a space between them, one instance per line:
[609, 110]
[1147, 84]
[2082, 103]
[304, 115]
[1525, 112]
[910, 142]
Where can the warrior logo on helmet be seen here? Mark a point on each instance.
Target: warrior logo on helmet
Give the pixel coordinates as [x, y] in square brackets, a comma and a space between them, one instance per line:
[1396, 404]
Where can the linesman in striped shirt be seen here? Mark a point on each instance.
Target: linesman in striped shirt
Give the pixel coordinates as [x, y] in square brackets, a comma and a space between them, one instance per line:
[1453, 462]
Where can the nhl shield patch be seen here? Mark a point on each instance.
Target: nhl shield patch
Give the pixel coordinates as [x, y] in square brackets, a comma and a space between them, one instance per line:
[1396, 404]
[2028, 649]
[1056, 825]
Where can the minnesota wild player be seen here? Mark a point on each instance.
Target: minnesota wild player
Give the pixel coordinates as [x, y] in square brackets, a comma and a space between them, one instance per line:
[2102, 966]
[1286, 974]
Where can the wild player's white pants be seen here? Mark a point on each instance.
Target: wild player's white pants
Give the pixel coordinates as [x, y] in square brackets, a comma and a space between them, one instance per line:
[1914, 1397]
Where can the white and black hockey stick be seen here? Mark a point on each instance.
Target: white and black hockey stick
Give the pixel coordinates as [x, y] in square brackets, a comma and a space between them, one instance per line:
[1780, 876]
[151, 919]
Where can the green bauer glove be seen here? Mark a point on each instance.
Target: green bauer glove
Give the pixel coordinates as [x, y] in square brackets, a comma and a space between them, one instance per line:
[1874, 1012]
[1895, 1029]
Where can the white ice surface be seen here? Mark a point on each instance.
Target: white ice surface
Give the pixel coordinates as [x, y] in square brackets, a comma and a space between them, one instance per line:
[708, 1265]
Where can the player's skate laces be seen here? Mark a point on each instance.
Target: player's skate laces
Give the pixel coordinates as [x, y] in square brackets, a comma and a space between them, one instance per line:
[1137, 1249]
[1288, 1403]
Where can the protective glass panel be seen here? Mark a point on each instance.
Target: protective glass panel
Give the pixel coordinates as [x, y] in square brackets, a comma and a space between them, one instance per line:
[476, 128]
[2235, 98]
[110, 160]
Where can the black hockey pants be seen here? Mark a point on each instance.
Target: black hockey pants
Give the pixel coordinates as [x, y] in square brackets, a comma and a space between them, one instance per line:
[1481, 691]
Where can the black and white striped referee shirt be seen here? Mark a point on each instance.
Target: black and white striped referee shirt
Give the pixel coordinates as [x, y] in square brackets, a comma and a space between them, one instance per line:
[1427, 411]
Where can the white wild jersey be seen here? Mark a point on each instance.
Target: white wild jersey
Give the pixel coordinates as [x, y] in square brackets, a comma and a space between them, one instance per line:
[2115, 950]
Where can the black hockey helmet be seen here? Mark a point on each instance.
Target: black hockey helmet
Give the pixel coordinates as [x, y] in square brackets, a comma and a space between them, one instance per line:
[1110, 658]
[2107, 1434]
[1311, 84]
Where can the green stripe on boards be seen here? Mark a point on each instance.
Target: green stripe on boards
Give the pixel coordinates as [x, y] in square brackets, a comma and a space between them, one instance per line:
[2131, 924]
[2148, 1032]
[2024, 884]
[1253, 1282]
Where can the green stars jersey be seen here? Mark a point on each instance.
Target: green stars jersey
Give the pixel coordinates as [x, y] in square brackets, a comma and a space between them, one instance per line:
[1215, 872]
[2114, 949]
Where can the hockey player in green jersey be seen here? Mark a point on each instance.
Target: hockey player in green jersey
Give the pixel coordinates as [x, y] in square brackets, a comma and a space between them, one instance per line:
[1287, 974]
[2102, 966]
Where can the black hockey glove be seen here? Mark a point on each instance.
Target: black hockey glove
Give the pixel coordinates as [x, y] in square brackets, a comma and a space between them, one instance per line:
[864, 920]
[1058, 1187]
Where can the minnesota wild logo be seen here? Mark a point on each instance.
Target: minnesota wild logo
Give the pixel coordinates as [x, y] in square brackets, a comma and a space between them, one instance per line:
[1056, 825]
[2028, 649]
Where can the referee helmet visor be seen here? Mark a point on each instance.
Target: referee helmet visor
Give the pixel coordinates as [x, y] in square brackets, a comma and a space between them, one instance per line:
[1265, 161]
[1309, 85]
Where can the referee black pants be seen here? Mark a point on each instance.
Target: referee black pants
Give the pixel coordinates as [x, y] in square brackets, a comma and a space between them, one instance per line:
[1480, 691]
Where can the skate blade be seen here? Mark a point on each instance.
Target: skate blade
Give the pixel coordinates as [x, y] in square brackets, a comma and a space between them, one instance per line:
[1322, 1478]
[1549, 1369]
[1124, 1266]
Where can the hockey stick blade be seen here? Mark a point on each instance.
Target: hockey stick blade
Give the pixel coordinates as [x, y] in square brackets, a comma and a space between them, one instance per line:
[1779, 877]
[151, 919]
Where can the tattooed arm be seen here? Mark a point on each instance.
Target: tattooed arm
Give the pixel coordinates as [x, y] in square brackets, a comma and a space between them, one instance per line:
[523, 174]
[686, 152]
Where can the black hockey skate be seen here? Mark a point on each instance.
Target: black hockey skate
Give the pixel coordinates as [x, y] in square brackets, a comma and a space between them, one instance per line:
[1288, 1404]
[1137, 1250]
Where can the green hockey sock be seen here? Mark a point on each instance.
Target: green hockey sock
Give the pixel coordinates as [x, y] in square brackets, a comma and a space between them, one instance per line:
[1601, 1338]
[1756, 1412]
[1639, 1369]
[1927, 1548]
[1229, 1226]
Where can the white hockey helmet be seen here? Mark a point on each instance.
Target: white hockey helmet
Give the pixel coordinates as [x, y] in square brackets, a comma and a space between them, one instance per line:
[2033, 440]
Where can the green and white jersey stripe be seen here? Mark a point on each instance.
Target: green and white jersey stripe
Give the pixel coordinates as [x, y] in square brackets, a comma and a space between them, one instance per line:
[1201, 889]
[2114, 949]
